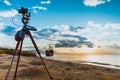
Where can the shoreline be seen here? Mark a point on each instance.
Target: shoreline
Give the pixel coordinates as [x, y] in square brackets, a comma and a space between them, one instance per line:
[31, 68]
[87, 59]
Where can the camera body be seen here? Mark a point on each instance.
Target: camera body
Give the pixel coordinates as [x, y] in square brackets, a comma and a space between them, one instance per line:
[25, 15]
[23, 10]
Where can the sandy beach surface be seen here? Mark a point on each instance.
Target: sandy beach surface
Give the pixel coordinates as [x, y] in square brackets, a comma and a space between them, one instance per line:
[31, 68]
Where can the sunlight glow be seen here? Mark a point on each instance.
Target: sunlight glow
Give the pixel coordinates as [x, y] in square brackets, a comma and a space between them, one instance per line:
[85, 50]
[75, 50]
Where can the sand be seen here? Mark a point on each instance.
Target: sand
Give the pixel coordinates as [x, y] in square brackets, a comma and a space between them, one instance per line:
[31, 68]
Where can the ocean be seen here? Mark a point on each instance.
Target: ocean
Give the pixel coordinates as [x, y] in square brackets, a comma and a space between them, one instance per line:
[104, 60]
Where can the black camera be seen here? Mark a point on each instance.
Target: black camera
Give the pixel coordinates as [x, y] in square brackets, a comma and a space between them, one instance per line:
[23, 10]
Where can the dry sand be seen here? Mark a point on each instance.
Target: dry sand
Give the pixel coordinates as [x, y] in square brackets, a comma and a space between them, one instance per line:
[31, 68]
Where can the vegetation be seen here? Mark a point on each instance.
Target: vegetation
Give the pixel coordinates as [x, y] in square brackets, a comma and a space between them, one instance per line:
[11, 51]
[1, 51]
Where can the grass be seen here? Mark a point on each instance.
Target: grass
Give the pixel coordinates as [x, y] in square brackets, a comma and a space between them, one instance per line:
[11, 51]
[1, 51]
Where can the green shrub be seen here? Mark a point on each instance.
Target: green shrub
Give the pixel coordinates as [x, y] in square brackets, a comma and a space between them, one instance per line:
[1, 51]
[26, 53]
[11, 51]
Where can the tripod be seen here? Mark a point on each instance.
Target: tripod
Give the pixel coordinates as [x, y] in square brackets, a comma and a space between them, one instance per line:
[20, 35]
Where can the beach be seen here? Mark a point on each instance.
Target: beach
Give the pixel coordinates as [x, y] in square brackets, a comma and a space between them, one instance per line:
[31, 68]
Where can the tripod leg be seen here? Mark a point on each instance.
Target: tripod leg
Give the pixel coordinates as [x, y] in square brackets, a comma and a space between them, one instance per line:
[39, 54]
[18, 60]
[15, 51]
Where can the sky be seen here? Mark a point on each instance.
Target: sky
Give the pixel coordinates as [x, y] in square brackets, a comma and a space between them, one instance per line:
[66, 23]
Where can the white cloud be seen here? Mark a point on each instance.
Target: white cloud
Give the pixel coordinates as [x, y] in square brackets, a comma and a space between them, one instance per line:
[93, 29]
[85, 30]
[108, 25]
[1, 25]
[62, 28]
[107, 31]
[35, 8]
[112, 25]
[94, 3]
[5, 40]
[7, 2]
[8, 13]
[39, 7]
[106, 34]
[65, 29]
[93, 24]
[62, 38]
[46, 2]
[108, 0]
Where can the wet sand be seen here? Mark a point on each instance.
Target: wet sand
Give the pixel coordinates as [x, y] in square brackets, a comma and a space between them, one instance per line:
[31, 68]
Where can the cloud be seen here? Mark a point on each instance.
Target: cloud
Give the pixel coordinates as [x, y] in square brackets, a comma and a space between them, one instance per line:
[99, 33]
[93, 24]
[1, 25]
[7, 2]
[112, 25]
[85, 30]
[36, 8]
[70, 29]
[75, 28]
[75, 36]
[8, 13]
[35, 11]
[105, 34]
[7, 35]
[6, 41]
[63, 35]
[108, 0]
[93, 29]
[94, 3]
[66, 43]
[46, 2]
[93, 33]
[108, 25]
[39, 7]
[72, 43]
[8, 30]
[46, 32]
[67, 30]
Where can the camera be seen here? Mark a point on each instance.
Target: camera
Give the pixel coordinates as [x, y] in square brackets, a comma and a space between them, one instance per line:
[25, 14]
[23, 10]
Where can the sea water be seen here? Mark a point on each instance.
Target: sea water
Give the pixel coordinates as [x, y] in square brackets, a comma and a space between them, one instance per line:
[105, 60]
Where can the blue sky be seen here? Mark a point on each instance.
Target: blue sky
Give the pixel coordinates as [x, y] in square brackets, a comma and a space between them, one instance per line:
[96, 20]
